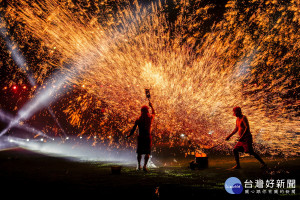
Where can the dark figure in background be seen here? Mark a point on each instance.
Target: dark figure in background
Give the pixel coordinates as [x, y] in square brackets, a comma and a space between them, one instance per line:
[144, 141]
[245, 141]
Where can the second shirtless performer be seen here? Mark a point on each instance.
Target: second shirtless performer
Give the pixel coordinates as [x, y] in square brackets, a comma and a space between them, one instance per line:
[245, 141]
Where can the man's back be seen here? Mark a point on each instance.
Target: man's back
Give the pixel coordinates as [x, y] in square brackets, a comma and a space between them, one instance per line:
[144, 124]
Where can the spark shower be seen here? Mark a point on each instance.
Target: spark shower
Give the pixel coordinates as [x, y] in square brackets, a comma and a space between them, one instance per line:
[196, 75]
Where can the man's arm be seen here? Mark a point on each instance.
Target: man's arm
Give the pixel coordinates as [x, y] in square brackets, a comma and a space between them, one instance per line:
[132, 130]
[232, 133]
[151, 106]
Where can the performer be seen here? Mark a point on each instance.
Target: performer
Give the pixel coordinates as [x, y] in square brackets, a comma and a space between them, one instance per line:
[144, 141]
[245, 141]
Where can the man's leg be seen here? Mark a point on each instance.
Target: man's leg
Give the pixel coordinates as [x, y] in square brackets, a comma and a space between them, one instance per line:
[237, 159]
[258, 158]
[251, 152]
[139, 158]
[146, 162]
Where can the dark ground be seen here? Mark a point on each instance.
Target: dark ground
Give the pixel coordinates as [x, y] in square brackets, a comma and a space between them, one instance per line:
[24, 173]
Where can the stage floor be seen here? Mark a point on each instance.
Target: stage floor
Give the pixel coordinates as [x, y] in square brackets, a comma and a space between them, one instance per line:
[28, 173]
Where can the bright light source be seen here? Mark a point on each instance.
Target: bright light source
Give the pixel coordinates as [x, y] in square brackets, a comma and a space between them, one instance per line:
[182, 135]
[80, 137]
[10, 119]
[21, 63]
[42, 139]
[27, 140]
[67, 138]
[210, 132]
[5, 88]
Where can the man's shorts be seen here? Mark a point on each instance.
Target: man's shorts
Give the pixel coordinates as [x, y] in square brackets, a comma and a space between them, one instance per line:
[144, 145]
[244, 146]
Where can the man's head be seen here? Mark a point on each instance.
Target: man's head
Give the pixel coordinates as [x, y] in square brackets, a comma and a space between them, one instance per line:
[145, 109]
[237, 111]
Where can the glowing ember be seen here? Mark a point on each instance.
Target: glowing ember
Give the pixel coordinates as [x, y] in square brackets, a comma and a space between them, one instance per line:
[200, 154]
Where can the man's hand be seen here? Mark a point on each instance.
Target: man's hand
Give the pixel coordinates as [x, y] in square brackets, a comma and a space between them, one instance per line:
[150, 104]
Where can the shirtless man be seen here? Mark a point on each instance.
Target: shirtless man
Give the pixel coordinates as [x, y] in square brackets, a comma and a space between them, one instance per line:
[144, 142]
[245, 141]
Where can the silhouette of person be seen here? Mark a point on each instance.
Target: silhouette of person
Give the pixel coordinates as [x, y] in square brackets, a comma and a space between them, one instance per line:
[245, 141]
[144, 141]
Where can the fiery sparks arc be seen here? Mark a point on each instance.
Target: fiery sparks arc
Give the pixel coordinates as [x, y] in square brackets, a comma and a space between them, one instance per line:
[196, 76]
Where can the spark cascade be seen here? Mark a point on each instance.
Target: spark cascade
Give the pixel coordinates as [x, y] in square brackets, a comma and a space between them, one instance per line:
[247, 58]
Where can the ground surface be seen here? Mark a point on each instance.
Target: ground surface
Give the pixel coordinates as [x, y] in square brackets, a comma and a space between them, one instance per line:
[31, 174]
